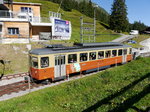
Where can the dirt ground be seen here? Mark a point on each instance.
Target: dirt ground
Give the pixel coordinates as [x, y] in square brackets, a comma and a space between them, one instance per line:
[16, 55]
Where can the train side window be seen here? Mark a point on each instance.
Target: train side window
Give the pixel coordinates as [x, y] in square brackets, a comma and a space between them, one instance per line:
[130, 51]
[34, 62]
[114, 53]
[125, 51]
[100, 54]
[63, 60]
[120, 52]
[108, 54]
[44, 62]
[56, 61]
[83, 57]
[72, 58]
[92, 56]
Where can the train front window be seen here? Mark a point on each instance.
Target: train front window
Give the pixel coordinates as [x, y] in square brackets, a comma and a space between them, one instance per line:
[83, 57]
[92, 56]
[34, 62]
[44, 62]
[72, 58]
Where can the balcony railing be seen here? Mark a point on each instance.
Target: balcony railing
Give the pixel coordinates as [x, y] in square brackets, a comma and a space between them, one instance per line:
[6, 1]
[10, 14]
[27, 17]
[1, 2]
[40, 20]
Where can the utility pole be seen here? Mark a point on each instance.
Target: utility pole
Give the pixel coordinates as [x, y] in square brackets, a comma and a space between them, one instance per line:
[94, 23]
[88, 30]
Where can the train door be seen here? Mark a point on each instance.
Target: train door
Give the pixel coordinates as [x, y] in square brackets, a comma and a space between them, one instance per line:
[60, 66]
[124, 56]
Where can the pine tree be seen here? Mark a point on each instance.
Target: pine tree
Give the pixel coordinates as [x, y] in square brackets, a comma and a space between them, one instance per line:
[66, 5]
[118, 18]
[90, 9]
[83, 7]
[138, 25]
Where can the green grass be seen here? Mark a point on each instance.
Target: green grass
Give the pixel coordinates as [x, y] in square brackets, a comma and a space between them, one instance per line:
[111, 88]
[138, 39]
[74, 17]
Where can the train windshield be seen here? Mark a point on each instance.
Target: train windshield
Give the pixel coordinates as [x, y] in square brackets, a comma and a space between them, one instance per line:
[44, 62]
[34, 62]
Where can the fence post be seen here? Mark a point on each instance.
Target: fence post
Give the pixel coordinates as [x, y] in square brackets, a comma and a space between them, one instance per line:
[29, 85]
[98, 67]
[67, 75]
[116, 62]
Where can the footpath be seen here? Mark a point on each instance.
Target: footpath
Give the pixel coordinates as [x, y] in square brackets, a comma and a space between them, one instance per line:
[124, 38]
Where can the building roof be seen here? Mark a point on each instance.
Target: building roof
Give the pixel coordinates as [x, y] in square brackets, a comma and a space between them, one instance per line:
[54, 49]
[25, 3]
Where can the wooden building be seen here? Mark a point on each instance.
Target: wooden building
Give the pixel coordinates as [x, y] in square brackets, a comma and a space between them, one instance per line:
[22, 20]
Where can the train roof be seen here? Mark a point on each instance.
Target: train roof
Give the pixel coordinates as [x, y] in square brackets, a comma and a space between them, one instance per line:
[58, 48]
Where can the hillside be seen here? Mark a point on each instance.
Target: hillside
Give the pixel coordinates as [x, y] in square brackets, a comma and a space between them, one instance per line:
[121, 88]
[74, 17]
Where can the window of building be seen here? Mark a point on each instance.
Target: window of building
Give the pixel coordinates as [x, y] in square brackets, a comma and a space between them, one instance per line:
[120, 52]
[72, 58]
[83, 57]
[30, 10]
[26, 9]
[114, 53]
[92, 56]
[34, 62]
[100, 54]
[107, 54]
[44, 62]
[13, 31]
[30, 18]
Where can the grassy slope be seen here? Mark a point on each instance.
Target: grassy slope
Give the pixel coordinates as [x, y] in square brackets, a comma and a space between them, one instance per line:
[74, 17]
[78, 95]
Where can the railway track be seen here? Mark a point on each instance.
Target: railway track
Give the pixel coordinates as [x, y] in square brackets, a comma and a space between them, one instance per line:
[26, 87]
[17, 87]
[8, 77]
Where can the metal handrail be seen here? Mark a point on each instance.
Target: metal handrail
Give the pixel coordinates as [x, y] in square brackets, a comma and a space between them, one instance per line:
[40, 20]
